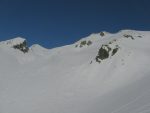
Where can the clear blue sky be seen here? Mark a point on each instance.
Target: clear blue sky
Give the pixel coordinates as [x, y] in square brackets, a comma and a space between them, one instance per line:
[53, 23]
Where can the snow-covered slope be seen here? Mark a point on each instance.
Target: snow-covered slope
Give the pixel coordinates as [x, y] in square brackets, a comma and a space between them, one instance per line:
[101, 73]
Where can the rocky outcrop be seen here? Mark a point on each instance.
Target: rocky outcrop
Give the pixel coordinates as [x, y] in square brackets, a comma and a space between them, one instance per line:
[128, 36]
[105, 52]
[22, 47]
[84, 43]
[102, 34]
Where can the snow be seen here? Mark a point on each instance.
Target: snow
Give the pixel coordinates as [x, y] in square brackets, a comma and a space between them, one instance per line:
[12, 42]
[63, 80]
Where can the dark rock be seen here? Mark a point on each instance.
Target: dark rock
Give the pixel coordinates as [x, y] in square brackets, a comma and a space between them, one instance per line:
[102, 34]
[103, 53]
[89, 42]
[83, 43]
[128, 36]
[76, 45]
[140, 36]
[22, 47]
[114, 51]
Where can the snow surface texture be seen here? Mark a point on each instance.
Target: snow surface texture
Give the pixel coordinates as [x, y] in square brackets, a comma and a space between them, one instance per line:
[69, 79]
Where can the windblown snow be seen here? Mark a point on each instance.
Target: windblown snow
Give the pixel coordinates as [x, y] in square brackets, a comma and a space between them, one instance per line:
[101, 73]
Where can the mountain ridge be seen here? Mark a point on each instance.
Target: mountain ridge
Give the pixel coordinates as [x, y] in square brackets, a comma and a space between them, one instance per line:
[18, 40]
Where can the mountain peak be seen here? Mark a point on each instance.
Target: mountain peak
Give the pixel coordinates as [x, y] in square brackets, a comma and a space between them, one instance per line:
[13, 41]
[92, 38]
[16, 43]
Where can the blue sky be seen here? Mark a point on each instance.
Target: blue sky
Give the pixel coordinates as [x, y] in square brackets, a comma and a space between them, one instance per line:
[53, 23]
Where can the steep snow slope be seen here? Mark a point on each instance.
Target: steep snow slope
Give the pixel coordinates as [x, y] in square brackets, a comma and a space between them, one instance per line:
[69, 79]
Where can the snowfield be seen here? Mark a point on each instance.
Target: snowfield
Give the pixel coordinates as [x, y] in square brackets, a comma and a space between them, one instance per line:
[101, 73]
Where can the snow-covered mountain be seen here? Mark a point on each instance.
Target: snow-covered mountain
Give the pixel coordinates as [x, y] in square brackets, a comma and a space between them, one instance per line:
[101, 73]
